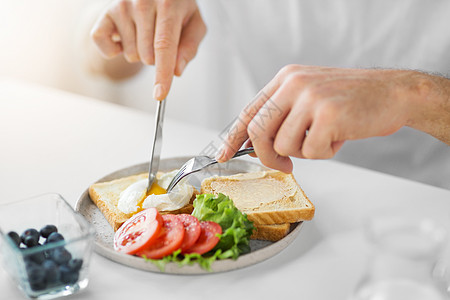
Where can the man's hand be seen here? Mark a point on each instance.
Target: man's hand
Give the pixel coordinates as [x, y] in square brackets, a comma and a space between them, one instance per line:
[164, 33]
[309, 112]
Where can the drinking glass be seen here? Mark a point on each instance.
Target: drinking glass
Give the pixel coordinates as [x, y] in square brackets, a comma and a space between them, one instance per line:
[402, 261]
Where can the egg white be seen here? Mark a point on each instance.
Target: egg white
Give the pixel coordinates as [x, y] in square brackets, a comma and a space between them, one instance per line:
[135, 193]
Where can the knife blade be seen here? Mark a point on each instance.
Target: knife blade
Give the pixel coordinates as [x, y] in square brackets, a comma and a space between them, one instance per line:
[155, 153]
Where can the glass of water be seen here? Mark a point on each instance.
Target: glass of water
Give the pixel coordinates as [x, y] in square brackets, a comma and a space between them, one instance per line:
[403, 258]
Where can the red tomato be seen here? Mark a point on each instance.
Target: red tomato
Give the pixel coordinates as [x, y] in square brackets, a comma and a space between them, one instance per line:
[207, 239]
[192, 230]
[138, 232]
[170, 238]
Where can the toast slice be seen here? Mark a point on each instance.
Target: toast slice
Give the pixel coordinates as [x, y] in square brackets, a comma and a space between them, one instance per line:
[271, 233]
[106, 196]
[267, 197]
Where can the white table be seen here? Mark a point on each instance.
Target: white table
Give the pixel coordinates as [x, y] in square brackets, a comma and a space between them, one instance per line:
[54, 141]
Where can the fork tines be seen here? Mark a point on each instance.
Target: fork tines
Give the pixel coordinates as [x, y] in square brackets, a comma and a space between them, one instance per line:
[176, 178]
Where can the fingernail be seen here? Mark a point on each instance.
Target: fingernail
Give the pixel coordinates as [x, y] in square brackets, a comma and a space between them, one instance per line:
[181, 66]
[158, 92]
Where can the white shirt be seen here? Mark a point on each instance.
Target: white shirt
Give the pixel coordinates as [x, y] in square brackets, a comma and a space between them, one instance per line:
[254, 39]
[249, 41]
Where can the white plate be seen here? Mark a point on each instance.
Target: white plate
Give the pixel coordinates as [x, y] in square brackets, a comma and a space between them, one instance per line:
[260, 250]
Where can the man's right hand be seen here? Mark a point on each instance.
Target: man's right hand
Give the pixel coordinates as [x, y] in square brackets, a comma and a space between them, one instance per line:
[309, 111]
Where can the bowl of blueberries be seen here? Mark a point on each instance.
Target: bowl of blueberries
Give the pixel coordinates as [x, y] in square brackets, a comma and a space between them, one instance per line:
[45, 246]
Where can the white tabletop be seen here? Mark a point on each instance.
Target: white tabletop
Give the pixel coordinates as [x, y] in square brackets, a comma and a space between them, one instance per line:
[54, 141]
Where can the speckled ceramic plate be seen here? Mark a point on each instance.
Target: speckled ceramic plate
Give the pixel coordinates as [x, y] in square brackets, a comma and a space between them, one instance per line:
[260, 250]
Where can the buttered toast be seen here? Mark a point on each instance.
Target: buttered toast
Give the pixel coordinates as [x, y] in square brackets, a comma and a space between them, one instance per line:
[106, 196]
[271, 199]
[274, 232]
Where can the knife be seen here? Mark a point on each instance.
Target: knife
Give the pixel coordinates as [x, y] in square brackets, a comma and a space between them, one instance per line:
[155, 153]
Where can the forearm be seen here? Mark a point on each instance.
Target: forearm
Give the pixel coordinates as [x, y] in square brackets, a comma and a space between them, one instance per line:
[430, 105]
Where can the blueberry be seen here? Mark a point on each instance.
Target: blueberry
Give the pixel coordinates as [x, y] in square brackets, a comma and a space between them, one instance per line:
[15, 237]
[30, 232]
[75, 264]
[31, 241]
[61, 256]
[29, 263]
[37, 257]
[47, 230]
[36, 276]
[52, 272]
[37, 286]
[68, 276]
[48, 253]
[54, 237]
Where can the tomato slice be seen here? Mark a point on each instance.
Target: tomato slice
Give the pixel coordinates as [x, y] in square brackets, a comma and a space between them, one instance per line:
[207, 239]
[192, 230]
[170, 238]
[138, 232]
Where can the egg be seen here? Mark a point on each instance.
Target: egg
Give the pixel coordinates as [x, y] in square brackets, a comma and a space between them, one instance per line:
[156, 189]
[135, 198]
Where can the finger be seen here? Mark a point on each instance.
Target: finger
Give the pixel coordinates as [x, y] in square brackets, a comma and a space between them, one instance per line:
[102, 34]
[122, 17]
[167, 36]
[264, 126]
[268, 156]
[145, 15]
[237, 134]
[318, 143]
[336, 146]
[233, 141]
[191, 36]
[290, 136]
[248, 144]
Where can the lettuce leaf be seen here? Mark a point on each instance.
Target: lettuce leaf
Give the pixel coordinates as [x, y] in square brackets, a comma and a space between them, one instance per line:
[236, 228]
[204, 261]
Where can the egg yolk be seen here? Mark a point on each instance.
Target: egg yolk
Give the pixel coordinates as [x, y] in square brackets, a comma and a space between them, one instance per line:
[155, 189]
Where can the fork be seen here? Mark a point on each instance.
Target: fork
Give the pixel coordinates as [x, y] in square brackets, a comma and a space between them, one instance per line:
[198, 163]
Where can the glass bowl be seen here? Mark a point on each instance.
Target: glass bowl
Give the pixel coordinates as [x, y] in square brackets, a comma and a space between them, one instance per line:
[54, 267]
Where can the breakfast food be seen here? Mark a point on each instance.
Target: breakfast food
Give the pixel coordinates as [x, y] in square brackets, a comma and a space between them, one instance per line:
[272, 232]
[120, 199]
[138, 232]
[185, 227]
[207, 239]
[215, 230]
[47, 268]
[153, 236]
[235, 225]
[271, 199]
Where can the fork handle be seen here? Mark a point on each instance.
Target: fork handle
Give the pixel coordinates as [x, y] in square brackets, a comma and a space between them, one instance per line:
[177, 178]
[244, 152]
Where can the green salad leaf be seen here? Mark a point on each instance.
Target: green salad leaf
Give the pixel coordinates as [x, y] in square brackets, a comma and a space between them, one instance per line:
[234, 240]
[236, 228]
[204, 261]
